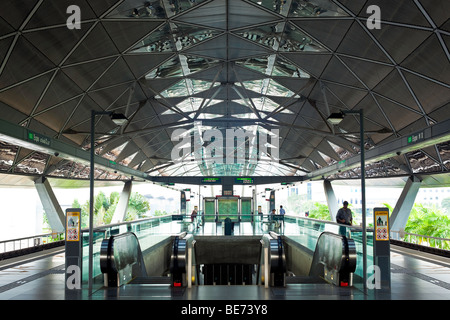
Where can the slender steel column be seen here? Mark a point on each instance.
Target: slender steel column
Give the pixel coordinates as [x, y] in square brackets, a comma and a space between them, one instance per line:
[91, 196]
[91, 201]
[363, 197]
[363, 190]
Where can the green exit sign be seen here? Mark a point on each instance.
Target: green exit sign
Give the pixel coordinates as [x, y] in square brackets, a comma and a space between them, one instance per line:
[417, 137]
[39, 138]
[243, 180]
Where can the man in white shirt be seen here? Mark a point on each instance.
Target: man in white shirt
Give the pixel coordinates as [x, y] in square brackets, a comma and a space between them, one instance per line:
[344, 215]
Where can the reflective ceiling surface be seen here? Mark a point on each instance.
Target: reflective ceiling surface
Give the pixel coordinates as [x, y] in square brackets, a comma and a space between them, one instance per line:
[186, 68]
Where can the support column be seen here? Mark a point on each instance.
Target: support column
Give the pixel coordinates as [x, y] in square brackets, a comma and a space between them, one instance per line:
[122, 207]
[333, 206]
[182, 203]
[402, 210]
[272, 201]
[52, 209]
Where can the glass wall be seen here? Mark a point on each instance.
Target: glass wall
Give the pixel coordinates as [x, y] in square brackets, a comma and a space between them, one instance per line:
[148, 231]
[304, 231]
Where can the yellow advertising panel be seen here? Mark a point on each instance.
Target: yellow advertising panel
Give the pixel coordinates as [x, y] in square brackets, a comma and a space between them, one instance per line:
[73, 226]
[381, 225]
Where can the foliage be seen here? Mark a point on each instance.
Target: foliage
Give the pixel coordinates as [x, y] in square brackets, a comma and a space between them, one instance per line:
[137, 207]
[104, 208]
[445, 204]
[428, 221]
[319, 211]
[160, 213]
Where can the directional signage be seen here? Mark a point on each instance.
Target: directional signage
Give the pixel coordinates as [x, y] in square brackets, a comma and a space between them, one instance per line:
[242, 180]
[417, 137]
[211, 180]
[39, 138]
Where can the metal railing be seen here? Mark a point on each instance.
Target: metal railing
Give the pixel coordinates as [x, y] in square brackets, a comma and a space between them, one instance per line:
[29, 242]
[420, 239]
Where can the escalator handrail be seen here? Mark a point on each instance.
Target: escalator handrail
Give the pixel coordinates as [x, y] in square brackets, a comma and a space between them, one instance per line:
[108, 262]
[347, 260]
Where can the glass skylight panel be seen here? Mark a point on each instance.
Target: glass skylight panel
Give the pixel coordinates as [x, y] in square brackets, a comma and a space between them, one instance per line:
[315, 8]
[276, 89]
[201, 85]
[167, 112]
[205, 115]
[177, 90]
[174, 7]
[264, 104]
[294, 40]
[258, 86]
[302, 8]
[147, 10]
[193, 64]
[267, 35]
[282, 68]
[186, 36]
[158, 41]
[152, 9]
[258, 64]
[186, 105]
[245, 116]
[168, 69]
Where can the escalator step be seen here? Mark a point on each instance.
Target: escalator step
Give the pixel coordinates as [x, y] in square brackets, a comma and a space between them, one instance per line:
[151, 280]
[303, 279]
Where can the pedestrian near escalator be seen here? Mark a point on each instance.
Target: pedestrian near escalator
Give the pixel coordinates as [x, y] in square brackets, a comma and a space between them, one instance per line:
[344, 215]
[282, 213]
[272, 213]
[193, 214]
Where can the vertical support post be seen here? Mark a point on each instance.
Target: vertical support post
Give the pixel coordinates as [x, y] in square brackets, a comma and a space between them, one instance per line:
[266, 267]
[122, 207]
[73, 259]
[272, 201]
[402, 210]
[183, 203]
[254, 203]
[189, 266]
[53, 210]
[363, 197]
[331, 199]
[91, 203]
[363, 191]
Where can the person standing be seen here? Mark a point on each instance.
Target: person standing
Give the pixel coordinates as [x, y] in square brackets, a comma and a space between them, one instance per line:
[194, 214]
[282, 213]
[344, 215]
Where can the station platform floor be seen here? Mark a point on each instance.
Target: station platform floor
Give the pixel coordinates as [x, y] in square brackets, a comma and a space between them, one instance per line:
[414, 276]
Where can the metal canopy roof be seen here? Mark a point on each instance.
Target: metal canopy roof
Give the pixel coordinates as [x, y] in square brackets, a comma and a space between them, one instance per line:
[200, 65]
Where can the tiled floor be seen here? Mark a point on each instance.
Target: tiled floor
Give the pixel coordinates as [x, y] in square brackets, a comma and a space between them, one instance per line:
[413, 277]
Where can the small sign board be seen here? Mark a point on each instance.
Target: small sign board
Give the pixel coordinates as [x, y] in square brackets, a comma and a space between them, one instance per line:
[73, 217]
[39, 138]
[177, 217]
[381, 224]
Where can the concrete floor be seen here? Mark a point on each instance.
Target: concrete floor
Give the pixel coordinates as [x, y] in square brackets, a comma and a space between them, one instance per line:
[414, 276]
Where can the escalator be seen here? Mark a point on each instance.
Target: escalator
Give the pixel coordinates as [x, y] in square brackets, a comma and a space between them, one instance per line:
[237, 260]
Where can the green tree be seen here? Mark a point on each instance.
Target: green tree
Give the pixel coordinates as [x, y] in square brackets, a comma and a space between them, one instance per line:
[160, 213]
[113, 201]
[104, 208]
[319, 211]
[428, 221]
[445, 204]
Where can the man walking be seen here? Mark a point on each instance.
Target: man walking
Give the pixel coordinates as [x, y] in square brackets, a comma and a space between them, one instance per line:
[344, 215]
